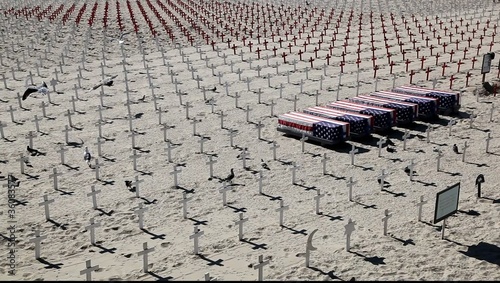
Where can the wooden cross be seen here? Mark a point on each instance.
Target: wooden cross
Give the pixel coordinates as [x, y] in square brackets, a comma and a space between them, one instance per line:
[37, 240]
[93, 194]
[145, 251]
[240, 223]
[175, 172]
[92, 227]
[54, 175]
[88, 270]
[46, 203]
[385, 219]
[197, 233]
[317, 199]
[260, 267]
[184, 202]
[140, 213]
[420, 206]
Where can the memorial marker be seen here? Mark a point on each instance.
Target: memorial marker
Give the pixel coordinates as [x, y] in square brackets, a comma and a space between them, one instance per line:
[281, 210]
[240, 223]
[420, 206]
[184, 202]
[92, 227]
[46, 203]
[140, 213]
[385, 219]
[317, 199]
[260, 267]
[88, 270]
[145, 251]
[37, 240]
[446, 204]
[197, 233]
[310, 247]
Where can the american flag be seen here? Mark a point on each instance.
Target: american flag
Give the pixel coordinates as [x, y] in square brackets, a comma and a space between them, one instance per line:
[384, 118]
[361, 125]
[427, 106]
[405, 112]
[315, 126]
[448, 101]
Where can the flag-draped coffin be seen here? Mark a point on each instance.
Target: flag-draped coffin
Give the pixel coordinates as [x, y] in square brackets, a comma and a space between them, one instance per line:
[313, 126]
[360, 125]
[406, 112]
[384, 118]
[449, 102]
[427, 106]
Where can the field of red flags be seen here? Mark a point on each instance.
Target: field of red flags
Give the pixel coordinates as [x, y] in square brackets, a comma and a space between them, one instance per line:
[428, 46]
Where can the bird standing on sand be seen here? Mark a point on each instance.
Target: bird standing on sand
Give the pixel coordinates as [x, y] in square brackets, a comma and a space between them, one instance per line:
[230, 177]
[86, 156]
[264, 165]
[455, 149]
[32, 89]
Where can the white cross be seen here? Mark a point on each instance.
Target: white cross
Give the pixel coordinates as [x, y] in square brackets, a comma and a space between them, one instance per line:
[11, 111]
[93, 193]
[294, 168]
[37, 240]
[351, 183]
[260, 179]
[92, 227]
[187, 106]
[36, 120]
[353, 151]
[222, 115]
[491, 112]
[66, 131]
[405, 136]
[168, 149]
[42, 105]
[98, 143]
[273, 148]
[488, 142]
[232, 133]
[420, 205]
[349, 228]
[260, 267]
[54, 175]
[175, 172]
[281, 87]
[30, 136]
[184, 202]
[236, 96]
[223, 191]
[244, 156]
[136, 186]
[380, 142]
[145, 251]
[382, 179]
[22, 159]
[197, 233]
[272, 104]
[240, 222]
[303, 139]
[428, 131]
[465, 148]
[210, 163]
[2, 126]
[194, 122]
[281, 209]
[134, 156]
[207, 277]
[140, 213]
[46, 203]
[100, 109]
[259, 92]
[385, 219]
[450, 123]
[295, 99]
[317, 199]
[259, 126]
[201, 141]
[88, 270]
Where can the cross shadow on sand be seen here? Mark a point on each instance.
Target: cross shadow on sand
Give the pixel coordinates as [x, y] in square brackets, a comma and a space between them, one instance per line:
[484, 251]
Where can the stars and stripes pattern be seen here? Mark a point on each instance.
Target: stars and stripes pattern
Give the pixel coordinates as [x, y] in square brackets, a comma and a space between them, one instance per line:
[449, 102]
[427, 106]
[314, 126]
[360, 125]
[384, 118]
[405, 112]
